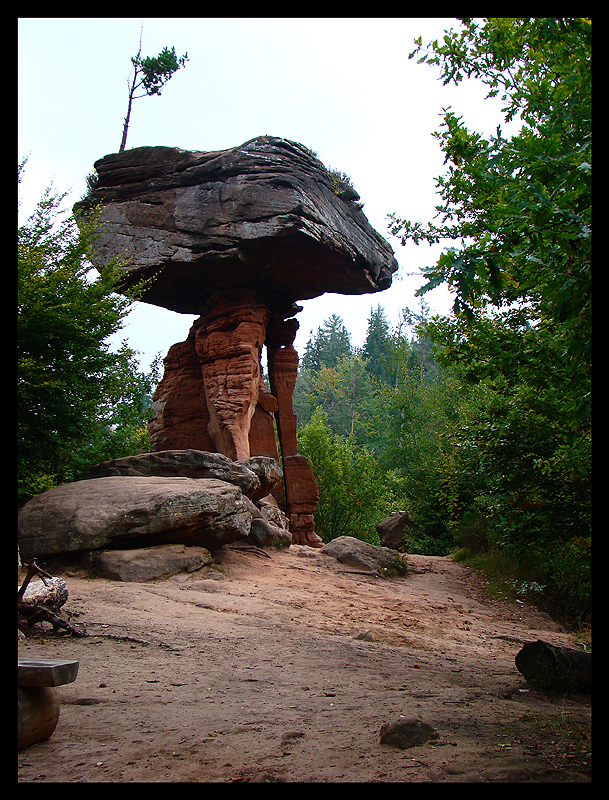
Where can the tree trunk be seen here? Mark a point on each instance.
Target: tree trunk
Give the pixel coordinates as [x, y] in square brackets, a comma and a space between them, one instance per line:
[551, 667]
[127, 118]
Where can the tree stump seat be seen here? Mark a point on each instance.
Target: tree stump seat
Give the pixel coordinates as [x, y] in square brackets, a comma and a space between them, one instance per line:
[38, 704]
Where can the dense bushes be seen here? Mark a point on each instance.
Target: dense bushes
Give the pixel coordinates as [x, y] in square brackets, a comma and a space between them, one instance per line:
[487, 468]
[355, 494]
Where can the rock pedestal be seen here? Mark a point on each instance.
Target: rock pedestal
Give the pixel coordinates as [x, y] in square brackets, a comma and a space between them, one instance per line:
[213, 394]
[235, 236]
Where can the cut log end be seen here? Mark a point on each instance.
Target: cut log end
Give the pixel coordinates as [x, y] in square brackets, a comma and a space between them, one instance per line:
[555, 668]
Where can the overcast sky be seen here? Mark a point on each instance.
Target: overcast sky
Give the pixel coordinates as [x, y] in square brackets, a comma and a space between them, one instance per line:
[343, 87]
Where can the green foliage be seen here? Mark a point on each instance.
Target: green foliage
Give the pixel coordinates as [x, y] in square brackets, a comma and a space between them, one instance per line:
[331, 342]
[342, 186]
[517, 455]
[378, 350]
[78, 402]
[150, 74]
[355, 494]
[469, 428]
[155, 72]
[521, 207]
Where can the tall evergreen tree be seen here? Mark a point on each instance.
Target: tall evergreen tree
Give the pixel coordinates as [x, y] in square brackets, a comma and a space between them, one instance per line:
[377, 349]
[331, 342]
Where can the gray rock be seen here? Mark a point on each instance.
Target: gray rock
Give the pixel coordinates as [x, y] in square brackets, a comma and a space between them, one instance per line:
[394, 529]
[263, 215]
[186, 464]
[263, 532]
[365, 556]
[51, 593]
[145, 564]
[268, 471]
[127, 512]
[272, 513]
[406, 733]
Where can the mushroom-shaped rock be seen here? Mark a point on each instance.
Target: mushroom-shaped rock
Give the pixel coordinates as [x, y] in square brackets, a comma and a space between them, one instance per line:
[266, 215]
[235, 236]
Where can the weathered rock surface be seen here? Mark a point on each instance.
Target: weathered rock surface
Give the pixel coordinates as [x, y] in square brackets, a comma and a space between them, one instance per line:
[127, 512]
[268, 472]
[229, 340]
[236, 236]
[146, 564]
[267, 530]
[394, 529]
[365, 556]
[236, 413]
[187, 464]
[52, 593]
[180, 411]
[266, 215]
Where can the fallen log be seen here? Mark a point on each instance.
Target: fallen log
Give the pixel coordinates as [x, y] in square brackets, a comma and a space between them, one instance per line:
[42, 602]
[557, 668]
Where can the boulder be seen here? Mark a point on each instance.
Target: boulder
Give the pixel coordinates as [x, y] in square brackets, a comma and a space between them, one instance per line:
[50, 592]
[394, 529]
[265, 215]
[271, 512]
[264, 531]
[365, 556]
[146, 564]
[128, 511]
[187, 463]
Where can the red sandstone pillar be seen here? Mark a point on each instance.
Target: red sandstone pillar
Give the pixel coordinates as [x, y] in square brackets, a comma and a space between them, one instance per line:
[229, 340]
[301, 489]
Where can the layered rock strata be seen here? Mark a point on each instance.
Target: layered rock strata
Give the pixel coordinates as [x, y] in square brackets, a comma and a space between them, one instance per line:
[266, 215]
[237, 237]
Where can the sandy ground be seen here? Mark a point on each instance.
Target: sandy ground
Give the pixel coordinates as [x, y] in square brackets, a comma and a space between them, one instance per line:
[284, 668]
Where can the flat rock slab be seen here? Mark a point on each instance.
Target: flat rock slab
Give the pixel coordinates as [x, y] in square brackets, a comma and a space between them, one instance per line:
[266, 215]
[187, 463]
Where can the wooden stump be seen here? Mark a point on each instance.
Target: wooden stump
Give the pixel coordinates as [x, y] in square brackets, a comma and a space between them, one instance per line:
[38, 709]
[38, 704]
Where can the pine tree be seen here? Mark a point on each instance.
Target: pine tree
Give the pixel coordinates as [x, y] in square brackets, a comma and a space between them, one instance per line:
[331, 342]
[377, 349]
[151, 75]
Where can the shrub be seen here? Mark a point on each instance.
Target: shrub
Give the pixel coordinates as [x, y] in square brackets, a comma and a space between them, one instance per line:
[354, 493]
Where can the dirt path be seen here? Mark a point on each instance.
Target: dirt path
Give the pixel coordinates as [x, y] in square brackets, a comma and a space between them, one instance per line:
[284, 669]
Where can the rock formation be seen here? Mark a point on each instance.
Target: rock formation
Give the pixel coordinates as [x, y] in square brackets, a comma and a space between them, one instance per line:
[175, 497]
[132, 512]
[394, 530]
[236, 236]
[352, 552]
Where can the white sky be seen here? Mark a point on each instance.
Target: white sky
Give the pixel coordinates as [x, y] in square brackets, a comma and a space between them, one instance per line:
[343, 87]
